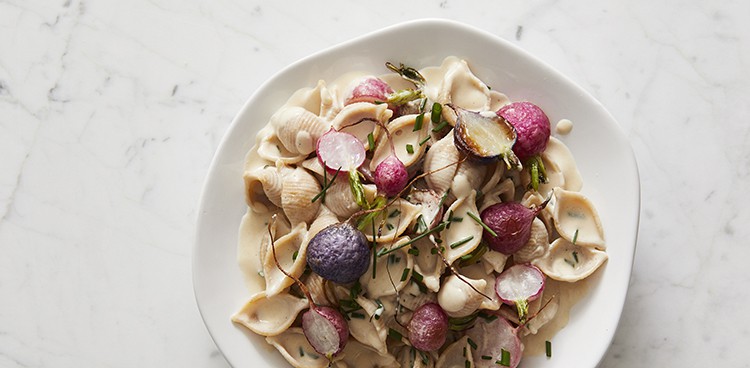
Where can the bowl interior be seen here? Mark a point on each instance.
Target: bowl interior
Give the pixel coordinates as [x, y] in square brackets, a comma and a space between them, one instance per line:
[602, 152]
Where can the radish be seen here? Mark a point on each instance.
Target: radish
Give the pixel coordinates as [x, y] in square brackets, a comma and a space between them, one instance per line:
[340, 151]
[369, 89]
[391, 176]
[495, 343]
[511, 224]
[531, 125]
[428, 327]
[484, 137]
[326, 330]
[518, 285]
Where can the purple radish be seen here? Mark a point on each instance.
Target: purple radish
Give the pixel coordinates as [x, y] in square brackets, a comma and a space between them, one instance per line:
[326, 330]
[339, 150]
[428, 327]
[531, 125]
[511, 222]
[497, 339]
[369, 89]
[484, 137]
[339, 253]
[391, 176]
[518, 285]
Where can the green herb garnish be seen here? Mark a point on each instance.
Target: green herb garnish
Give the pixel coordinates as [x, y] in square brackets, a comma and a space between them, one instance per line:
[575, 237]
[326, 185]
[440, 126]
[472, 343]
[548, 348]
[418, 121]
[370, 142]
[437, 109]
[479, 221]
[405, 274]
[461, 242]
[410, 149]
[423, 141]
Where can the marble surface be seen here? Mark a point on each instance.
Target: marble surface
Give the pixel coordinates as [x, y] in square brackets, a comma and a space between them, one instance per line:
[110, 112]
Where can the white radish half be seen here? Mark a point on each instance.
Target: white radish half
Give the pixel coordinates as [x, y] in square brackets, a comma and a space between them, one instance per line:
[339, 150]
[518, 285]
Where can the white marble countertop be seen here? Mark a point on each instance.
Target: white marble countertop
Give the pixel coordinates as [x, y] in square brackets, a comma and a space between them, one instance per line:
[110, 112]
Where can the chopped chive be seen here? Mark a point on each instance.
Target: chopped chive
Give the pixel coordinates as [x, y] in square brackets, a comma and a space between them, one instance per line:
[456, 219]
[467, 364]
[437, 109]
[438, 228]
[417, 276]
[358, 315]
[569, 262]
[410, 149]
[472, 343]
[413, 251]
[505, 358]
[464, 351]
[548, 348]
[461, 242]
[418, 121]
[355, 290]
[440, 126]
[301, 352]
[575, 256]
[444, 197]
[479, 221]
[421, 225]
[575, 237]
[466, 257]
[405, 274]
[488, 317]
[394, 213]
[294, 255]
[486, 357]
[434, 251]
[423, 141]
[322, 194]
[423, 355]
[394, 334]
[389, 226]
[370, 141]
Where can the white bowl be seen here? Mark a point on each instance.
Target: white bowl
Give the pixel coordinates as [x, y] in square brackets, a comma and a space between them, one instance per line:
[602, 151]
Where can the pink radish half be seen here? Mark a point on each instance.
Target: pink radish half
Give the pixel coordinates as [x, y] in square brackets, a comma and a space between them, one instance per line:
[369, 89]
[339, 150]
[519, 285]
[326, 330]
[493, 339]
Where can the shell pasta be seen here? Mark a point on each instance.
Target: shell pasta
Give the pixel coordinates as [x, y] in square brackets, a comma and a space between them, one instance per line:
[434, 242]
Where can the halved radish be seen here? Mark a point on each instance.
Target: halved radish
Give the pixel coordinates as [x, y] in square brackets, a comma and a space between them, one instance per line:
[340, 151]
[518, 285]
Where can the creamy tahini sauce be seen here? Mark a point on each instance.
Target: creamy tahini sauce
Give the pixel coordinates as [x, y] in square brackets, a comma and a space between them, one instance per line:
[564, 126]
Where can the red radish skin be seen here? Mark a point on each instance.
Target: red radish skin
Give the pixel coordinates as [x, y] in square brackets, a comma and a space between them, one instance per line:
[531, 125]
[428, 327]
[518, 285]
[340, 150]
[391, 176]
[326, 330]
[512, 223]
